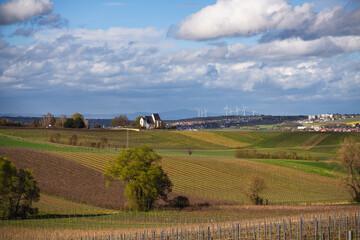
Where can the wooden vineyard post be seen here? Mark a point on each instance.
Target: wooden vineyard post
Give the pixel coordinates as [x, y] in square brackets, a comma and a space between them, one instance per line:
[284, 229]
[258, 230]
[301, 227]
[329, 228]
[346, 225]
[351, 235]
[316, 228]
[289, 228]
[254, 231]
[340, 228]
[220, 233]
[265, 229]
[279, 236]
[319, 230]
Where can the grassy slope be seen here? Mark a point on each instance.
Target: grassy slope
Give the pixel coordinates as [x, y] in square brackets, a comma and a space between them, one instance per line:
[227, 179]
[212, 173]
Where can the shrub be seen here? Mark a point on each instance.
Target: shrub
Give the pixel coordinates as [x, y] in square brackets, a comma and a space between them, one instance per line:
[179, 202]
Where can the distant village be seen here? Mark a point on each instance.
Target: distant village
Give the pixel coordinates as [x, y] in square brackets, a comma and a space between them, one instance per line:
[231, 122]
[330, 123]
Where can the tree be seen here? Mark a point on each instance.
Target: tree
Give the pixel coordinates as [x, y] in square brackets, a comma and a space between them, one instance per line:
[69, 123]
[145, 179]
[48, 120]
[179, 202]
[136, 122]
[79, 123]
[103, 142]
[121, 120]
[256, 187]
[73, 139]
[60, 121]
[75, 121]
[54, 137]
[18, 189]
[349, 156]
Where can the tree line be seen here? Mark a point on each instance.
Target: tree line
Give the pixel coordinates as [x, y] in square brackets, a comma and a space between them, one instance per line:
[49, 121]
[75, 121]
[253, 153]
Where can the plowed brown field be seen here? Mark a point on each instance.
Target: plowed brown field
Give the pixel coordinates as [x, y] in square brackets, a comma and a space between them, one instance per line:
[62, 177]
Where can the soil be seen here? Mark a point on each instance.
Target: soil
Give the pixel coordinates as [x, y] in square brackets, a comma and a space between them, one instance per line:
[58, 176]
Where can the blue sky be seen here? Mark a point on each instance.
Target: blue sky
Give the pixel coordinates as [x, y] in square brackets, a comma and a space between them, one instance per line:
[115, 57]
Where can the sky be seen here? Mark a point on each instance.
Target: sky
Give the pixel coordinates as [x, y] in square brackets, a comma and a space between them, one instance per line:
[109, 57]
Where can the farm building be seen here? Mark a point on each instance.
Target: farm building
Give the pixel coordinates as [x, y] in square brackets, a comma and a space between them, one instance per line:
[151, 122]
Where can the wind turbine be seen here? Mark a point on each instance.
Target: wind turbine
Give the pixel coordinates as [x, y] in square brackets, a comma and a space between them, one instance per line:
[253, 112]
[237, 110]
[205, 111]
[198, 110]
[244, 109]
[226, 110]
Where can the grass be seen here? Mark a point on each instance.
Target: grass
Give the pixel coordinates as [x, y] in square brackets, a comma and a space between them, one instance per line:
[13, 142]
[327, 169]
[228, 179]
[211, 173]
[53, 205]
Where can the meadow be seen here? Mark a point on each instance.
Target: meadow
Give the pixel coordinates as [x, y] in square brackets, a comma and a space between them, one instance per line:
[74, 195]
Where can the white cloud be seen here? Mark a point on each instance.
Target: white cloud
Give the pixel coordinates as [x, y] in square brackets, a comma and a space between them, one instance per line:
[234, 18]
[103, 60]
[297, 48]
[20, 10]
[116, 37]
[277, 19]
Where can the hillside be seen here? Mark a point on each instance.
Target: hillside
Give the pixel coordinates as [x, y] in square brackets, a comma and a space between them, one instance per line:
[74, 196]
[211, 172]
[61, 177]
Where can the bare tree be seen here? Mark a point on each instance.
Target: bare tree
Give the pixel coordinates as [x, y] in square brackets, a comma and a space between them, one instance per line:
[349, 156]
[48, 120]
[256, 187]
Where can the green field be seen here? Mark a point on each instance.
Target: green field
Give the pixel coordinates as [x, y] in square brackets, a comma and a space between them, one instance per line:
[211, 175]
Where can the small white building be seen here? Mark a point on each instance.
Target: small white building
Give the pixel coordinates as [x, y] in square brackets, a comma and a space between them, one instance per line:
[311, 117]
[151, 122]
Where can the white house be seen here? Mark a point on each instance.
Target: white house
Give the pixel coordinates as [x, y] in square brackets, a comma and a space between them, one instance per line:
[151, 122]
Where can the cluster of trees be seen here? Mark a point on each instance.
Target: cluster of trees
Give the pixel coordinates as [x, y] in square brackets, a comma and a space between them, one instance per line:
[253, 153]
[119, 121]
[122, 121]
[75, 121]
[7, 123]
[18, 190]
[49, 121]
[55, 137]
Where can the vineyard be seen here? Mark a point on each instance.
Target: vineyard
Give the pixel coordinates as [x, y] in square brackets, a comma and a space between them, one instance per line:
[74, 194]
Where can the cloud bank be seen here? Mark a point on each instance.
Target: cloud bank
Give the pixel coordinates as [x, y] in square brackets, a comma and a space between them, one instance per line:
[276, 19]
[119, 59]
[20, 10]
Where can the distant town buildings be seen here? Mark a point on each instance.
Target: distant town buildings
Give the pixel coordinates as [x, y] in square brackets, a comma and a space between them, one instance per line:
[321, 117]
[329, 123]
